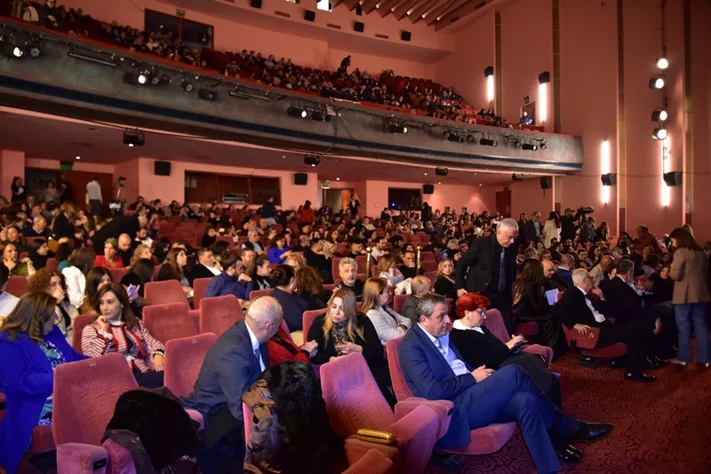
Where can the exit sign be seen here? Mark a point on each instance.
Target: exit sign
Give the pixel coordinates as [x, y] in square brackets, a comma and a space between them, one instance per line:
[66, 166]
[180, 13]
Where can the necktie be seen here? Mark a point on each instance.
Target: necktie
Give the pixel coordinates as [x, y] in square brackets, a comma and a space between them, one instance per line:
[502, 273]
[258, 355]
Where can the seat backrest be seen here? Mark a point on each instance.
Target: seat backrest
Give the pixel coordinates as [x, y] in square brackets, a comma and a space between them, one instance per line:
[164, 292]
[307, 320]
[427, 256]
[253, 295]
[168, 321]
[17, 286]
[80, 322]
[494, 322]
[352, 397]
[219, 313]
[361, 261]
[118, 273]
[402, 391]
[183, 361]
[429, 265]
[52, 263]
[199, 289]
[85, 395]
[398, 303]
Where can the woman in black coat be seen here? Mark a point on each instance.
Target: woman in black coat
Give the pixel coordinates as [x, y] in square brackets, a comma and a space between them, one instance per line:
[342, 331]
[478, 346]
[530, 303]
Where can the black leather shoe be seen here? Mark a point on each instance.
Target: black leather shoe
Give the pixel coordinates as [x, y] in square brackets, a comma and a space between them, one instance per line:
[652, 363]
[591, 431]
[568, 453]
[640, 377]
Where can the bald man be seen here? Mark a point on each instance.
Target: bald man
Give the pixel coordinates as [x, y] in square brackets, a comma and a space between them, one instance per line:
[552, 278]
[232, 365]
[602, 270]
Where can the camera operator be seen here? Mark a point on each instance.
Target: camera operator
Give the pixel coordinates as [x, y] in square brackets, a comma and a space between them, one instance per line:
[569, 222]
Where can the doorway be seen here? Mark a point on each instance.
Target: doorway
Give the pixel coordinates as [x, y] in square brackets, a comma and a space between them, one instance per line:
[75, 180]
[338, 199]
[503, 203]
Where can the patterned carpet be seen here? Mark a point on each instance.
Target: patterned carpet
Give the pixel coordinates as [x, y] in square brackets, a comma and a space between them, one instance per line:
[662, 427]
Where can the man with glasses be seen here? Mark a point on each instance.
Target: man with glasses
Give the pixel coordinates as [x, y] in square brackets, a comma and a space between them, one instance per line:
[232, 281]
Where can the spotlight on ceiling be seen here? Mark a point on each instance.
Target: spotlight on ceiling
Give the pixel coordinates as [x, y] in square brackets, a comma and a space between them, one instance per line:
[454, 136]
[662, 62]
[297, 112]
[656, 82]
[529, 147]
[659, 133]
[660, 115]
[441, 171]
[312, 160]
[187, 85]
[133, 138]
[394, 126]
[317, 116]
[488, 142]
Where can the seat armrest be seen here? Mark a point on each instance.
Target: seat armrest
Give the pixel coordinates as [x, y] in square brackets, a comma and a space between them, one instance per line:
[443, 408]
[582, 341]
[374, 462]
[416, 434]
[78, 457]
[195, 318]
[539, 350]
[356, 449]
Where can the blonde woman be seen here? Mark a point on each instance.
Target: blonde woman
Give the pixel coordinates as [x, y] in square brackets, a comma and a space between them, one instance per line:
[388, 324]
[444, 285]
[142, 251]
[342, 331]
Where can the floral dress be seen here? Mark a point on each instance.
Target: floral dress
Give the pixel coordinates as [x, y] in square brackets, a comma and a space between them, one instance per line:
[55, 358]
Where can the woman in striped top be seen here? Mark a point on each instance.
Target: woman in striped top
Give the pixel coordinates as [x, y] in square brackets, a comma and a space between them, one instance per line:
[117, 329]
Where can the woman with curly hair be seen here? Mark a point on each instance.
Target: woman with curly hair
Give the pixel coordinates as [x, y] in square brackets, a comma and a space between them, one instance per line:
[54, 283]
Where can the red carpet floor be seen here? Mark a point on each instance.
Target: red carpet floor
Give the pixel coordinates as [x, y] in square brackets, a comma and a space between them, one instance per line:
[662, 427]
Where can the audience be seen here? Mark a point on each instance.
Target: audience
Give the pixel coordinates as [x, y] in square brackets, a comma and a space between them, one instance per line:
[260, 271]
[95, 279]
[16, 266]
[309, 286]
[292, 305]
[53, 283]
[111, 257]
[174, 268]
[348, 271]
[530, 303]
[376, 298]
[445, 284]
[232, 281]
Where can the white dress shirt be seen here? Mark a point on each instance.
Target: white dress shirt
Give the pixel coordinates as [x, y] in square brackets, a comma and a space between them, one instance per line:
[255, 347]
[76, 284]
[93, 191]
[599, 317]
[442, 344]
[7, 304]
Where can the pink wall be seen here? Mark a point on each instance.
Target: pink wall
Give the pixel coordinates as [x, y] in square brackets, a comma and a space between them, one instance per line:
[172, 187]
[526, 51]
[464, 69]
[527, 196]
[589, 55]
[12, 163]
[129, 170]
[50, 164]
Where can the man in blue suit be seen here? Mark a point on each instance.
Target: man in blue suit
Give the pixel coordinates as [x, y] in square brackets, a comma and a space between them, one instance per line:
[231, 366]
[434, 370]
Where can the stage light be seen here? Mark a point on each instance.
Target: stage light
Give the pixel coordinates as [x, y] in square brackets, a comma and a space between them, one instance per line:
[656, 82]
[395, 126]
[35, 51]
[529, 147]
[660, 133]
[187, 85]
[454, 136]
[660, 115]
[662, 62]
[312, 160]
[488, 142]
[133, 138]
[441, 171]
[297, 112]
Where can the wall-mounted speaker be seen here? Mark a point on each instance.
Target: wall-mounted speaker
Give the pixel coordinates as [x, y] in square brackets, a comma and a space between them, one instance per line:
[673, 178]
[309, 15]
[428, 189]
[609, 179]
[546, 182]
[406, 36]
[301, 179]
[359, 26]
[255, 3]
[161, 168]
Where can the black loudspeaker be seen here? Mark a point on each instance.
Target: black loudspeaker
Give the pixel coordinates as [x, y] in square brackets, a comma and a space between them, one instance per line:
[161, 168]
[359, 26]
[428, 189]
[406, 36]
[546, 182]
[301, 179]
[673, 178]
[609, 179]
[309, 15]
[255, 3]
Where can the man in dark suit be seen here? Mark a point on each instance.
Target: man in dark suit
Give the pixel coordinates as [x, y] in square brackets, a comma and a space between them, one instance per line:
[207, 265]
[577, 311]
[490, 269]
[568, 229]
[532, 229]
[435, 370]
[627, 305]
[232, 365]
[118, 225]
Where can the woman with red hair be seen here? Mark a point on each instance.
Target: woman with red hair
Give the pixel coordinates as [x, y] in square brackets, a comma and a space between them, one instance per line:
[478, 346]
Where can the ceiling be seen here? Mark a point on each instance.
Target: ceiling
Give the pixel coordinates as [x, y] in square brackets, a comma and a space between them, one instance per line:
[65, 139]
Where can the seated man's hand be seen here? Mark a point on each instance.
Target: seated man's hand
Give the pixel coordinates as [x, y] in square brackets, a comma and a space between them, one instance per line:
[582, 328]
[482, 373]
[657, 326]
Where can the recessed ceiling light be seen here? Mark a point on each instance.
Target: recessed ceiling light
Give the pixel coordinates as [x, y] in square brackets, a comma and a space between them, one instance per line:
[476, 174]
[439, 182]
[283, 157]
[338, 179]
[480, 185]
[78, 157]
[425, 174]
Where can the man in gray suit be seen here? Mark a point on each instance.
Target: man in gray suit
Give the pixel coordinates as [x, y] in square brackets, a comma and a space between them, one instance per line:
[231, 366]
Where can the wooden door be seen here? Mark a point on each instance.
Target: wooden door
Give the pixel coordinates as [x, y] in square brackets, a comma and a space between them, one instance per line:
[503, 203]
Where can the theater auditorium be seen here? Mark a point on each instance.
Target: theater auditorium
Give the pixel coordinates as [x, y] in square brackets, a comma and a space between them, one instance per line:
[355, 236]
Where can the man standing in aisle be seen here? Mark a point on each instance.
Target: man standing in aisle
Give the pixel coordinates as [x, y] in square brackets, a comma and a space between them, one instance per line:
[93, 194]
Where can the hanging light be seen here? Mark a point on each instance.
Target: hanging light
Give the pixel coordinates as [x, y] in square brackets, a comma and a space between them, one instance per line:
[660, 115]
[662, 62]
[656, 82]
[660, 133]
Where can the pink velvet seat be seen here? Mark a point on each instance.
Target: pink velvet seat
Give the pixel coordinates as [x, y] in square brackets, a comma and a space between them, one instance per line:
[398, 303]
[16, 286]
[168, 321]
[584, 344]
[164, 292]
[495, 323]
[219, 313]
[307, 320]
[253, 295]
[354, 401]
[80, 322]
[183, 361]
[483, 440]
[118, 273]
[199, 289]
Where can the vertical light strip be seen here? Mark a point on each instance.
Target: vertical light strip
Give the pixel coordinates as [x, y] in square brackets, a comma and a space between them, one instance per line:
[605, 169]
[490, 87]
[665, 191]
[542, 103]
